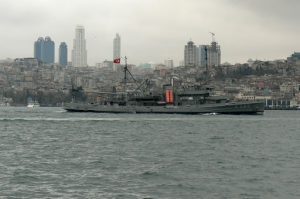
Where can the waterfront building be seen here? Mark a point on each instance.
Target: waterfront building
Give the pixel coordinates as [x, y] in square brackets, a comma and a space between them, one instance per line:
[63, 54]
[191, 52]
[116, 49]
[44, 50]
[79, 52]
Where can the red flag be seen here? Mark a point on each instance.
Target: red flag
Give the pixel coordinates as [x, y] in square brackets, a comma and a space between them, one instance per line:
[117, 61]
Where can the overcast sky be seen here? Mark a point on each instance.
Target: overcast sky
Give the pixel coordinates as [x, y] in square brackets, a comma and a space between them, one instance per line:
[154, 30]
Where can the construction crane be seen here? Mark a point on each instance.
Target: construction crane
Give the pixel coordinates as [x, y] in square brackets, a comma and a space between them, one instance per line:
[213, 36]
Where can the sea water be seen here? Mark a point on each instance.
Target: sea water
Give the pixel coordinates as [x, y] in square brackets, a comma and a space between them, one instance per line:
[50, 153]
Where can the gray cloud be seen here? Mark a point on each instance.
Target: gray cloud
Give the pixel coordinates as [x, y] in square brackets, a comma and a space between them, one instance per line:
[154, 30]
[279, 9]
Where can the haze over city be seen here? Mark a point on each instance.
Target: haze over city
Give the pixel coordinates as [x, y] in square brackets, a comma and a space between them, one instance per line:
[153, 30]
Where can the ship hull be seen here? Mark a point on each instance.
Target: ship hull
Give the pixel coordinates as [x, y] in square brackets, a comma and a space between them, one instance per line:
[226, 108]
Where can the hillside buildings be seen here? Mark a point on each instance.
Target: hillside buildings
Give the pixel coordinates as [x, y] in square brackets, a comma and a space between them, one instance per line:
[294, 58]
[63, 54]
[44, 50]
[276, 82]
[79, 52]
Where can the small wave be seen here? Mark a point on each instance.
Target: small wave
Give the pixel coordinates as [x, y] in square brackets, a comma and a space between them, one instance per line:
[217, 138]
[148, 173]
[59, 119]
[125, 119]
[74, 119]
[60, 111]
[209, 114]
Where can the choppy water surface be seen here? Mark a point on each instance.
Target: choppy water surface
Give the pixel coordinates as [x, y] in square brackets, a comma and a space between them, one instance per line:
[49, 153]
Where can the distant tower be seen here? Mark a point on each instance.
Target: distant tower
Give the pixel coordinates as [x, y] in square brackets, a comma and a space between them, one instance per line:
[79, 53]
[63, 54]
[48, 52]
[210, 55]
[44, 50]
[214, 54]
[191, 52]
[116, 48]
[38, 48]
[203, 55]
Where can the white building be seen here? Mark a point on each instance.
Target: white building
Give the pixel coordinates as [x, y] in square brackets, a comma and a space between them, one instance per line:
[214, 54]
[169, 63]
[191, 53]
[105, 64]
[116, 48]
[79, 53]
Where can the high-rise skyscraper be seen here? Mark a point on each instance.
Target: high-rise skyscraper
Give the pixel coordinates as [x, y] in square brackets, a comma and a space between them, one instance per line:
[203, 55]
[214, 54]
[48, 51]
[79, 53]
[210, 55]
[38, 48]
[191, 53]
[116, 48]
[44, 50]
[63, 54]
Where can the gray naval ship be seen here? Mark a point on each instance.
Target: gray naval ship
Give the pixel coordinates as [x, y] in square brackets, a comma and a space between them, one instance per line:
[199, 101]
[193, 103]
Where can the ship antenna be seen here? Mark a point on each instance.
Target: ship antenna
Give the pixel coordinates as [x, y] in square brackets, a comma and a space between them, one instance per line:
[125, 78]
[206, 62]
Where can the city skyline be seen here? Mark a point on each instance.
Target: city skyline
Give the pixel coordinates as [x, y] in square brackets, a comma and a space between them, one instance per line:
[255, 29]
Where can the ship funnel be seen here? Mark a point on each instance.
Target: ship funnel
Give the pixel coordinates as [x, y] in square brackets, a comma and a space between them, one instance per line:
[169, 95]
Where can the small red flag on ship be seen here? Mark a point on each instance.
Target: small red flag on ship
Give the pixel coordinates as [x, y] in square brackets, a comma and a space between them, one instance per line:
[117, 61]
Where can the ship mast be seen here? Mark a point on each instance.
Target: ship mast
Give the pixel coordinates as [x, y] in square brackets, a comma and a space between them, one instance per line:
[125, 78]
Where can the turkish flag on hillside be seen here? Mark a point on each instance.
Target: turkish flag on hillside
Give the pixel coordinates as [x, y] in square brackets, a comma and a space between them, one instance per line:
[117, 61]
